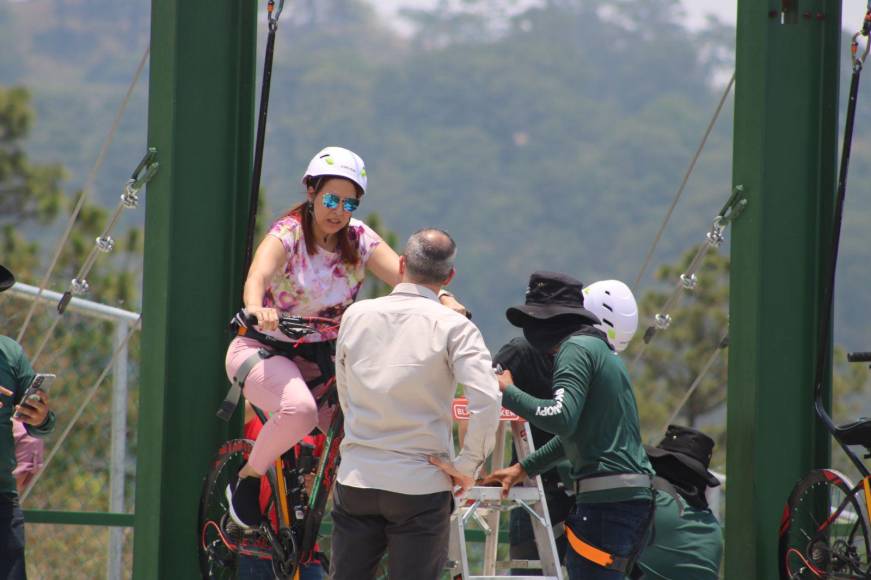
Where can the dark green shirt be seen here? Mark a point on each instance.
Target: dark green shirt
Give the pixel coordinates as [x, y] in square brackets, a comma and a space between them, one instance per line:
[688, 546]
[16, 375]
[593, 415]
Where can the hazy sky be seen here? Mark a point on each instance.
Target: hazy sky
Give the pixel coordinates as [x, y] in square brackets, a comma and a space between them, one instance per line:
[696, 10]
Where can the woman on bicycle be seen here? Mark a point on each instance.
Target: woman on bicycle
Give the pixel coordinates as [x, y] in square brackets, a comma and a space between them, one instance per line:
[312, 262]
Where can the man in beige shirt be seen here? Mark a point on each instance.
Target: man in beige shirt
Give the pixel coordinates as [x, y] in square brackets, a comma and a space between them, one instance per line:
[398, 361]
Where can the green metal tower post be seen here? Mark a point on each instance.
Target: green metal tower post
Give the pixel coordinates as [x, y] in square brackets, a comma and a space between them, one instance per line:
[201, 114]
[786, 117]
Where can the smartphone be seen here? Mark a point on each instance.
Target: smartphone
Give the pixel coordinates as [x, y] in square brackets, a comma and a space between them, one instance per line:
[40, 382]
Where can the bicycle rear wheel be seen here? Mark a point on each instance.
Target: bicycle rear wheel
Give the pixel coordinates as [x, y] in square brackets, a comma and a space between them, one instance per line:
[218, 537]
[824, 533]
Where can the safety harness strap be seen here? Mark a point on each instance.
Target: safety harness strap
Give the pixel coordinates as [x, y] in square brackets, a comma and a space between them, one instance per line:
[613, 481]
[231, 401]
[665, 486]
[595, 555]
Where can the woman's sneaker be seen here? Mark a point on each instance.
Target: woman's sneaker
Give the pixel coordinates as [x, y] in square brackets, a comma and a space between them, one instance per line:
[243, 498]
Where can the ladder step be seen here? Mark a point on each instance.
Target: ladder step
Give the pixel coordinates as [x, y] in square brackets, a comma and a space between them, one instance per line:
[486, 493]
[518, 565]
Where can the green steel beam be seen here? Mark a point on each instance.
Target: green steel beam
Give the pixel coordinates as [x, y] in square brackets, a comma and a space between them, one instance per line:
[63, 518]
[785, 151]
[201, 118]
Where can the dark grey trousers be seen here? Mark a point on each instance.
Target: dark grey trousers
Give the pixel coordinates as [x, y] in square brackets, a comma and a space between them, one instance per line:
[412, 529]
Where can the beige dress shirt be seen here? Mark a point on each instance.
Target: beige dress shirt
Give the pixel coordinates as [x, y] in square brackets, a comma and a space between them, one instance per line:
[398, 362]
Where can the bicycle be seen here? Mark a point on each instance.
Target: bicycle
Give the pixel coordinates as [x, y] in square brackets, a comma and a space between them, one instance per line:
[288, 539]
[824, 532]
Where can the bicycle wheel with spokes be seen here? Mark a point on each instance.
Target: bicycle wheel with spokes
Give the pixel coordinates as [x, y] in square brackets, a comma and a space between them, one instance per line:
[218, 536]
[824, 532]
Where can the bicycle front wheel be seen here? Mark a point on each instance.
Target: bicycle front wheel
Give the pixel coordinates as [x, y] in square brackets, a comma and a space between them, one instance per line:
[824, 531]
[218, 537]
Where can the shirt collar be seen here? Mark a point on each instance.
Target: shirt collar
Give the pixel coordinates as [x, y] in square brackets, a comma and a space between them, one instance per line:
[415, 290]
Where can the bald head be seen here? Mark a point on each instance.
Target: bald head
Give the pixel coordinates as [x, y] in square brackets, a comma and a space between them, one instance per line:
[429, 256]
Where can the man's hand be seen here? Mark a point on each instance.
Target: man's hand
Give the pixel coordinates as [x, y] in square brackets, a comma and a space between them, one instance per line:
[451, 302]
[34, 410]
[505, 380]
[461, 482]
[506, 478]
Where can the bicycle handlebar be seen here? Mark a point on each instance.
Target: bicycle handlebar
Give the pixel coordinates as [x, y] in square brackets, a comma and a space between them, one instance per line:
[294, 327]
[859, 357]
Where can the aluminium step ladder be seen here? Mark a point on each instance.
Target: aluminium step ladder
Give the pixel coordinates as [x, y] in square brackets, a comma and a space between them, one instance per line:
[485, 505]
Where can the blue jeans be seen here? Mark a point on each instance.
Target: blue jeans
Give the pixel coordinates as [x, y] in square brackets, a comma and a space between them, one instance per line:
[619, 528]
[11, 539]
[259, 569]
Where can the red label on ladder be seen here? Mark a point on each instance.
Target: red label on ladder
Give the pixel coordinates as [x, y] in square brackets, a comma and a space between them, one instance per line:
[460, 410]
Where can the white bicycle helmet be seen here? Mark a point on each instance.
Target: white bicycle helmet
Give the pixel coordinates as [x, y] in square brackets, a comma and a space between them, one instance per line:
[338, 162]
[612, 301]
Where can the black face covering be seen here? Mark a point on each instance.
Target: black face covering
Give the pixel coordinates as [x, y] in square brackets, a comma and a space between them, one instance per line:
[545, 335]
[688, 484]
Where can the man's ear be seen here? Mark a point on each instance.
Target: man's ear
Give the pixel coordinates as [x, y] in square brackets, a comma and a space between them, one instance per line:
[450, 277]
[401, 266]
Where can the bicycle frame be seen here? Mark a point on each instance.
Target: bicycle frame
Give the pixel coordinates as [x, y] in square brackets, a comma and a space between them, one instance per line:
[288, 534]
[301, 527]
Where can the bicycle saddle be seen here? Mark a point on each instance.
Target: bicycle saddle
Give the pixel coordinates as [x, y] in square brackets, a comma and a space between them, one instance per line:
[856, 433]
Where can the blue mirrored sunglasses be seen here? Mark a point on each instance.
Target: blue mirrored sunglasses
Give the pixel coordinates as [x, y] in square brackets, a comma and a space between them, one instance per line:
[349, 204]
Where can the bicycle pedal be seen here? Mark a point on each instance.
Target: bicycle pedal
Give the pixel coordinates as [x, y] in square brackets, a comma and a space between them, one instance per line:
[231, 528]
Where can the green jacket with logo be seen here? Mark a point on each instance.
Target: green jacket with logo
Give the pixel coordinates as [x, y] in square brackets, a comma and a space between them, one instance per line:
[593, 414]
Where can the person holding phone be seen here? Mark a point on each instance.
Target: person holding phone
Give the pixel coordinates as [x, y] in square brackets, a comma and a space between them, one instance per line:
[16, 375]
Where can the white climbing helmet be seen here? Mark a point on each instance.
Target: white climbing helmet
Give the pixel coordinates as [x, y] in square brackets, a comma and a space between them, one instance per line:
[339, 162]
[612, 301]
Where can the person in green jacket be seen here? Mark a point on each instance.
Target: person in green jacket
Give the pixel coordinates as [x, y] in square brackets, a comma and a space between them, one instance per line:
[16, 375]
[688, 542]
[594, 416]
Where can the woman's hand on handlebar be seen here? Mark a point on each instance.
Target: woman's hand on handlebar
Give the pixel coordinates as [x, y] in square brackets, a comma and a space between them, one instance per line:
[267, 318]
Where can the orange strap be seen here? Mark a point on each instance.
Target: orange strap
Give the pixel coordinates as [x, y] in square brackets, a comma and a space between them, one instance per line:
[867, 484]
[591, 553]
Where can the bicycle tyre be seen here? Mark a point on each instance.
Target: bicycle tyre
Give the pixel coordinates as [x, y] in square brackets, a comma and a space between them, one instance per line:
[216, 559]
[824, 531]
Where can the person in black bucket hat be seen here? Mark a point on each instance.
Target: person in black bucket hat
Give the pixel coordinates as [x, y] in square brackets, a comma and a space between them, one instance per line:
[684, 450]
[16, 375]
[553, 310]
[689, 540]
[594, 416]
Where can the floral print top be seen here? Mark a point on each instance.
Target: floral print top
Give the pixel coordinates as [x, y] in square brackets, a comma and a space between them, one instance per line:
[318, 285]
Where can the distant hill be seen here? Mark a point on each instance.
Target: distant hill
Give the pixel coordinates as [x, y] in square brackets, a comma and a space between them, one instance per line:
[554, 140]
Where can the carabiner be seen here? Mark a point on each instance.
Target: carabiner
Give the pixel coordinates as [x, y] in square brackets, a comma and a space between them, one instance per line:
[140, 176]
[859, 60]
[274, 13]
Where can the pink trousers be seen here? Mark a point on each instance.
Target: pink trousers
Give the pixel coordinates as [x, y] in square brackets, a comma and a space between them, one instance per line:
[278, 387]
